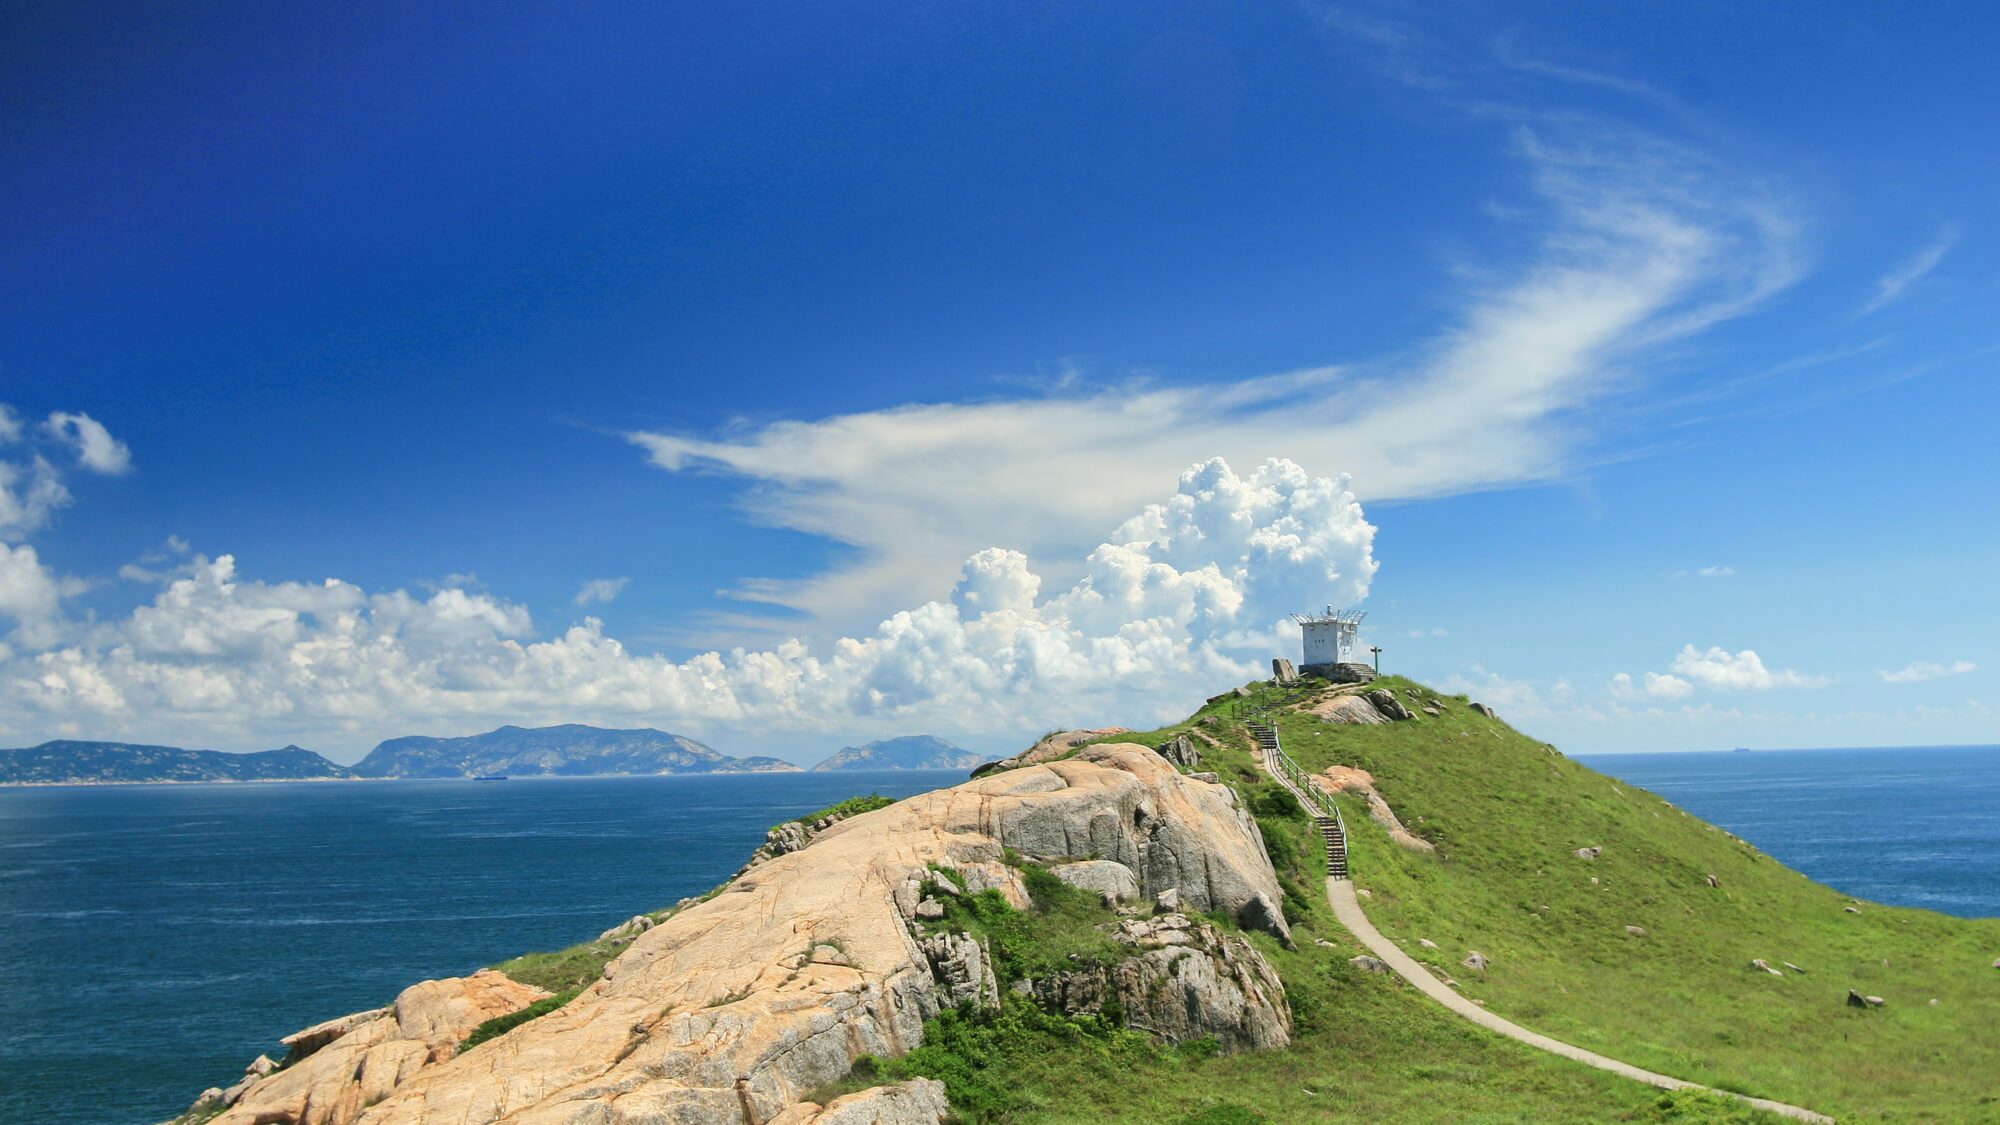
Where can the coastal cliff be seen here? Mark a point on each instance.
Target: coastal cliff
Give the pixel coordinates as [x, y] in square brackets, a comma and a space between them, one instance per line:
[734, 1008]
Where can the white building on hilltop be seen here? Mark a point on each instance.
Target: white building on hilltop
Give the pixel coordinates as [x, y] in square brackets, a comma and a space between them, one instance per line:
[1331, 644]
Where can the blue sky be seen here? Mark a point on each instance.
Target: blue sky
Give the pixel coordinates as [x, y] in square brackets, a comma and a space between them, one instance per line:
[413, 369]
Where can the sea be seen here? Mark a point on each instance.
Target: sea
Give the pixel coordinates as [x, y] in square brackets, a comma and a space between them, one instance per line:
[156, 938]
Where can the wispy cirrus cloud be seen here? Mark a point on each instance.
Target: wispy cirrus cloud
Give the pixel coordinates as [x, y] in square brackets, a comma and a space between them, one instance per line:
[1637, 243]
[1890, 286]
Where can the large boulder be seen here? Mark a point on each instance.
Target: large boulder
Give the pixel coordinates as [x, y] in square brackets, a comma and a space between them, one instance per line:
[1283, 671]
[734, 1008]
[1349, 709]
[1483, 709]
[1109, 878]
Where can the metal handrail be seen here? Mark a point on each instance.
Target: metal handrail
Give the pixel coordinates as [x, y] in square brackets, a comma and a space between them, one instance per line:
[1294, 778]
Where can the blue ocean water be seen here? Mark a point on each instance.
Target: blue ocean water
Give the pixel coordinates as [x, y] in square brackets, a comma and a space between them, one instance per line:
[156, 938]
[1910, 826]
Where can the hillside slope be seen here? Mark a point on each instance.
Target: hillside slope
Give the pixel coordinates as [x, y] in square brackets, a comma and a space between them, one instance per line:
[1634, 951]
[569, 750]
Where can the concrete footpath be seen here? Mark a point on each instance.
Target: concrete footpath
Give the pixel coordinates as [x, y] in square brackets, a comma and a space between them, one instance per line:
[1347, 908]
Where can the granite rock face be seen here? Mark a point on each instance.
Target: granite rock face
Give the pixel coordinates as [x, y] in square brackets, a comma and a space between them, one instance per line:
[369, 1054]
[731, 1009]
[1048, 749]
[1185, 980]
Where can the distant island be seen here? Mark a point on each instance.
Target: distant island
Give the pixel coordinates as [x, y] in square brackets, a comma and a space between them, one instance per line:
[66, 762]
[911, 752]
[570, 750]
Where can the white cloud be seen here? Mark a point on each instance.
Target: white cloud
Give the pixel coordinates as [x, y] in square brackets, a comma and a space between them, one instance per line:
[1192, 592]
[1423, 634]
[1924, 670]
[1656, 686]
[31, 489]
[1892, 284]
[601, 590]
[1636, 243]
[29, 495]
[1743, 671]
[1716, 571]
[95, 447]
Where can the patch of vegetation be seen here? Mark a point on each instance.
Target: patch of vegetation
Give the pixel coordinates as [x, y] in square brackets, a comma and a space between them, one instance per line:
[501, 1025]
[1058, 933]
[574, 968]
[853, 806]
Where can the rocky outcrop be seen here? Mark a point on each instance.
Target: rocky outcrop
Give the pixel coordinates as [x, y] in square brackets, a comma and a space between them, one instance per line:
[1339, 779]
[1058, 745]
[1186, 981]
[339, 1068]
[1387, 703]
[1483, 709]
[731, 1009]
[1283, 670]
[1181, 751]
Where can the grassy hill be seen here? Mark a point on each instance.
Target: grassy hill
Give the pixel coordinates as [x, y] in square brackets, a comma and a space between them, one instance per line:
[1507, 814]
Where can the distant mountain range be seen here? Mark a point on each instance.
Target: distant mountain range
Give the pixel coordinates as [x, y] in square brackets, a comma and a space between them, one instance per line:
[98, 763]
[571, 750]
[912, 752]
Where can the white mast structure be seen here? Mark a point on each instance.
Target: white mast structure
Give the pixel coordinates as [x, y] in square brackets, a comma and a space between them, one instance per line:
[1330, 636]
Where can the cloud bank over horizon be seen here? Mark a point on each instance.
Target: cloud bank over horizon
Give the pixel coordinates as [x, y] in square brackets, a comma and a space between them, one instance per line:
[1188, 593]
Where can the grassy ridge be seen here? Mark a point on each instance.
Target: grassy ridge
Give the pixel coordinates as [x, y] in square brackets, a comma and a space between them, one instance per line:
[1507, 814]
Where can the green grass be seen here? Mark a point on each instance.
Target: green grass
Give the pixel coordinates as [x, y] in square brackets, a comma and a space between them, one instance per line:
[572, 969]
[1367, 1048]
[1507, 814]
[853, 806]
[500, 1025]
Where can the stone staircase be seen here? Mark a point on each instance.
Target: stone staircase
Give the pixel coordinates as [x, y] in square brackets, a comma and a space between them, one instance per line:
[1326, 816]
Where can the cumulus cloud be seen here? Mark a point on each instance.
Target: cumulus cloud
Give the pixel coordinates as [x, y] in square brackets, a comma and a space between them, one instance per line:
[600, 590]
[1189, 592]
[1925, 670]
[1636, 243]
[95, 448]
[1655, 685]
[1743, 671]
[31, 485]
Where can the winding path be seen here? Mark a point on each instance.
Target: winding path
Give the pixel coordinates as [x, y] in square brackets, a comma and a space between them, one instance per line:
[1347, 908]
